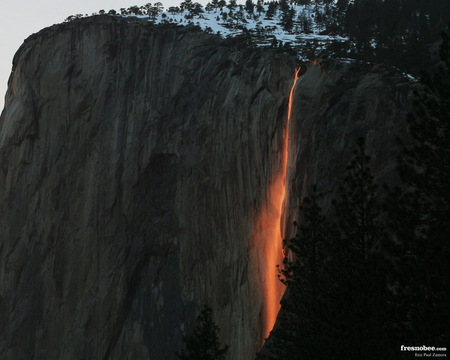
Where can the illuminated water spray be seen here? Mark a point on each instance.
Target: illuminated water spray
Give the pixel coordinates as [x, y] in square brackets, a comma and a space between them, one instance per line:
[268, 231]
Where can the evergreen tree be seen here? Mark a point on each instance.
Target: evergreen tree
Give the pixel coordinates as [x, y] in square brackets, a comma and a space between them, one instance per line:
[426, 167]
[209, 7]
[186, 5]
[232, 5]
[357, 209]
[338, 302]
[361, 286]
[196, 9]
[174, 10]
[421, 215]
[204, 343]
[154, 10]
[249, 6]
[284, 6]
[305, 22]
[305, 316]
[287, 18]
[271, 10]
[260, 7]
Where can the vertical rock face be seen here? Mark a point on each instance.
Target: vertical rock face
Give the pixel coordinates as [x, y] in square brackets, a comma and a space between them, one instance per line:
[133, 159]
[335, 104]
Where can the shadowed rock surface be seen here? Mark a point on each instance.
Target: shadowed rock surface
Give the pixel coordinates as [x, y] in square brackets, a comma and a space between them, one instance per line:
[133, 161]
[335, 104]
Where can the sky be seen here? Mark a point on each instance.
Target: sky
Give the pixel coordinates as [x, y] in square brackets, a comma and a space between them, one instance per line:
[20, 19]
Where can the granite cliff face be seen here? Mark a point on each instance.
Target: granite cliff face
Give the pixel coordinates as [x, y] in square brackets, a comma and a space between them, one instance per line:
[134, 160]
[335, 104]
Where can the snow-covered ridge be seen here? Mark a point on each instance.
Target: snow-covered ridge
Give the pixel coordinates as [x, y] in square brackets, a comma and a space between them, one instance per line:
[230, 23]
[309, 22]
[304, 27]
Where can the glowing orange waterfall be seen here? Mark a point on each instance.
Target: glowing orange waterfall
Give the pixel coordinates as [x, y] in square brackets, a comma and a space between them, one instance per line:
[268, 231]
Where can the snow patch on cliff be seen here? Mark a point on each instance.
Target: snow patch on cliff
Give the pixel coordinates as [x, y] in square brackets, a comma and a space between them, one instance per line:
[309, 24]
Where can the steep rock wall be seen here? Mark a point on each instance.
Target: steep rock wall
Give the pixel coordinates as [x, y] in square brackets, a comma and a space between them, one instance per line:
[335, 104]
[133, 160]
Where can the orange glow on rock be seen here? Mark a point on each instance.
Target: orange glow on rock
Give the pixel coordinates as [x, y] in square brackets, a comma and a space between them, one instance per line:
[268, 234]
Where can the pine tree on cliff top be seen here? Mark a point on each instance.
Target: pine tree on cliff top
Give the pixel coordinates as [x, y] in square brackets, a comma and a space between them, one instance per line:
[204, 343]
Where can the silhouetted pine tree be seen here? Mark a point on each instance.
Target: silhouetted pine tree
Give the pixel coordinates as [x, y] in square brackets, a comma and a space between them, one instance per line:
[204, 343]
[249, 6]
[361, 269]
[394, 31]
[287, 18]
[338, 304]
[271, 10]
[305, 314]
[260, 7]
[421, 215]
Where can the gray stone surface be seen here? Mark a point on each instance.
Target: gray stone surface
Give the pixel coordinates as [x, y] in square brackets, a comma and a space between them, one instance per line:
[134, 159]
[335, 104]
